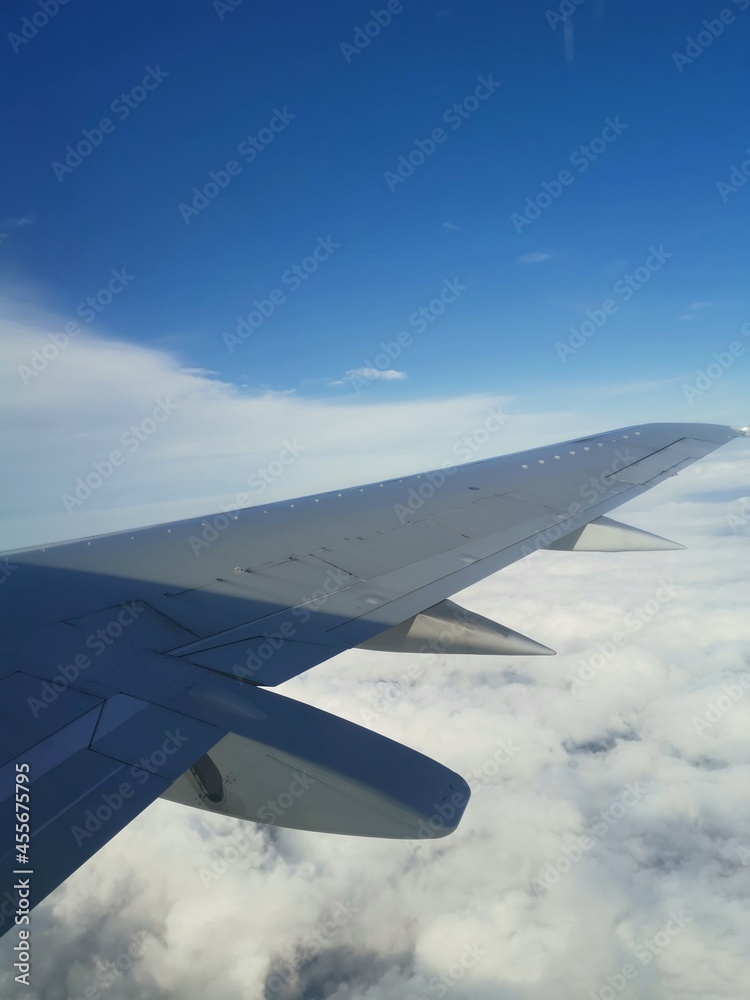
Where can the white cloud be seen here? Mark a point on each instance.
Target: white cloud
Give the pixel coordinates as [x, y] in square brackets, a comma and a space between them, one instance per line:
[358, 378]
[695, 307]
[568, 42]
[450, 225]
[355, 919]
[89, 395]
[534, 258]
[17, 223]
[375, 374]
[644, 385]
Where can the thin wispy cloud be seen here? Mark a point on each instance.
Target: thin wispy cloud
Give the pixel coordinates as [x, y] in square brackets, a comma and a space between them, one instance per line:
[24, 220]
[695, 307]
[358, 376]
[646, 385]
[536, 257]
[374, 374]
[450, 225]
[568, 40]
[8, 225]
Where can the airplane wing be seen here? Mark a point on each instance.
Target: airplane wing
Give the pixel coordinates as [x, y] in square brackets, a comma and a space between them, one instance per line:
[136, 664]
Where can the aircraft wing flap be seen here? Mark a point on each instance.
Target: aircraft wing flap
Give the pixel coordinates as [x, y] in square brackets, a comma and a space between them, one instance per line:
[377, 554]
[670, 459]
[485, 518]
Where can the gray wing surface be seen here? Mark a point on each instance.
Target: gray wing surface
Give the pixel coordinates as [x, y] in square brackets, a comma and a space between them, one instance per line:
[135, 664]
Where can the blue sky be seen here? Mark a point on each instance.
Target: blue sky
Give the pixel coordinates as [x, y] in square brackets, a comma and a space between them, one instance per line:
[219, 74]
